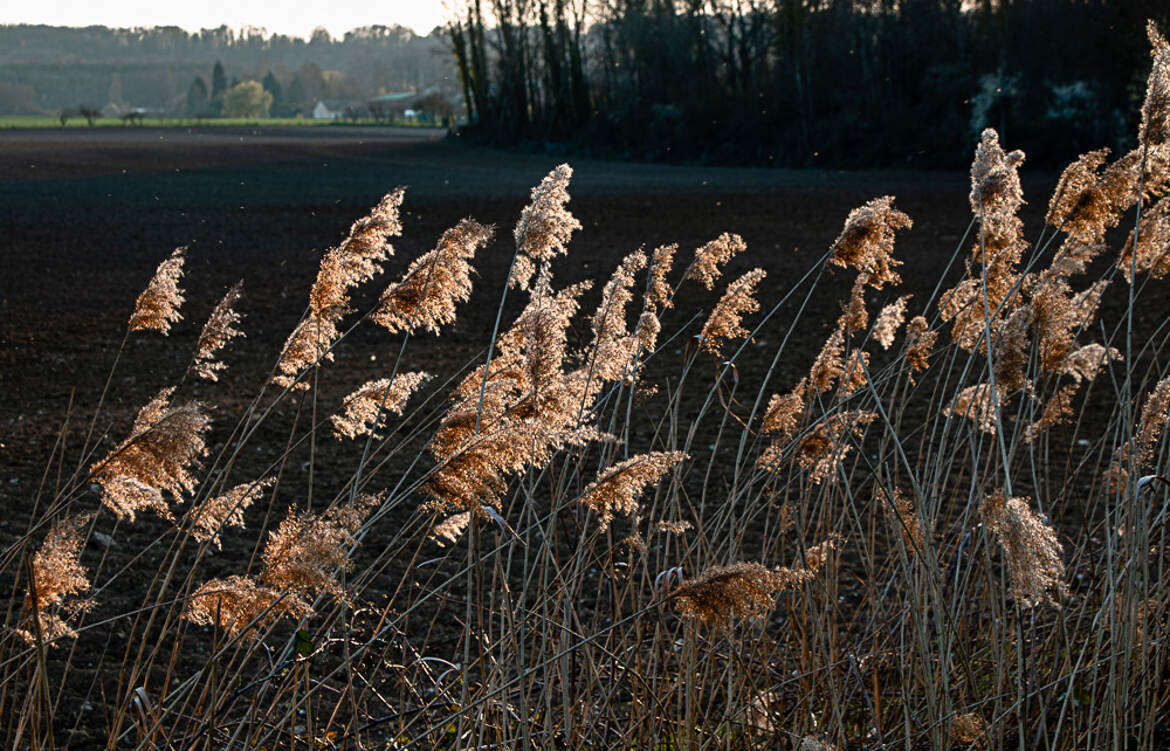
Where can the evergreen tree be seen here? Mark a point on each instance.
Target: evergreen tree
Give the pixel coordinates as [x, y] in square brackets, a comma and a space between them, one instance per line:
[219, 83]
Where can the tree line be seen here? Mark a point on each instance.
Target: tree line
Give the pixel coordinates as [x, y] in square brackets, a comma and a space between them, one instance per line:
[44, 69]
[801, 82]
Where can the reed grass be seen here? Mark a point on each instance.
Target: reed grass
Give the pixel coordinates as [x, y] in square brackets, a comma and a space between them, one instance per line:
[604, 532]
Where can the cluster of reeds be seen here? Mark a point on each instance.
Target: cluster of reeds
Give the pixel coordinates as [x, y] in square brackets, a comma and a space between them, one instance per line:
[948, 531]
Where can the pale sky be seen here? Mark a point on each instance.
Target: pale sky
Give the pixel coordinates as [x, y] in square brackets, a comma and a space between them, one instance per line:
[291, 17]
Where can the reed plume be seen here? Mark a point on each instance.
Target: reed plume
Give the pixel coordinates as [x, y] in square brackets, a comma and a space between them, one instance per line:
[158, 305]
[658, 290]
[437, 281]
[1056, 411]
[357, 259]
[889, 320]
[1150, 241]
[996, 197]
[1153, 420]
[450, 529]
[969, 728]
[904, 518]
[304, 554]
[920, 340]
[58, 578]
[1031, 551]
[617, 488]
[744, 590]
[309, 343]
[822, 449]
[225, 510]
[855, 316]
[1084, 363]
[166, 442]
[1155, 127]
[613, 348]
[361, 409]
[784, 412]
[709, 257]
[545, 226]
[217, 332]
[829, 363]
[866, 242]
[726, 319]
[978, 404]
[236, 603]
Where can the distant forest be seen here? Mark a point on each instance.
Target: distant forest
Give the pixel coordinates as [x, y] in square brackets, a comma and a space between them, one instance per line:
[169, 71]
[803, 82]
[851, 83]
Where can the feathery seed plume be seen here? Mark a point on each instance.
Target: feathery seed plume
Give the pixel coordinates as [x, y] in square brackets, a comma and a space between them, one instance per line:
[919, 344]
[1055, 412]
[866, 243]
[1012, 347]
[889, 320]
[1152, 244]
[1155, 412]
[658, 291]
[968, 728]
[1031, 550]
[726, 320]
[217, 332]
[434, 283]
[237, 601]
[617, 488]
[304, 552]
[829, 363]
[158, 305]
[362, 407]
[708, 258]
[1155, 127]
[613, 348]
[1087, 361]
[450, 529]
[743, 590]
[164, 444]
[784, 412]
[978, 404]
[822, 449]
[545, 226]
[855, 316]
[226, 510]
[310, 342]
[357, 259]
[58, 577]
[903, 517]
